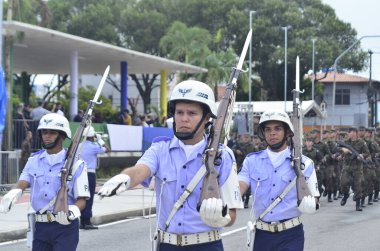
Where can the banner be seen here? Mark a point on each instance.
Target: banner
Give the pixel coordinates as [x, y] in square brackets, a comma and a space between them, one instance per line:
[3, 104]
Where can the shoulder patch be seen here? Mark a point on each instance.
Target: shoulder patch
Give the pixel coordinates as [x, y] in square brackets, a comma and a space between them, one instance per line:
[161, 138]
[37, 153]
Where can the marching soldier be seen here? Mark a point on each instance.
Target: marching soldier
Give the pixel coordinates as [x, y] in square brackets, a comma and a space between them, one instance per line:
[333, 165]
[356, 152]
[372, 167]
[175, 163]
[243, 147]
[325, 151]
[313, 153]
[42, 174]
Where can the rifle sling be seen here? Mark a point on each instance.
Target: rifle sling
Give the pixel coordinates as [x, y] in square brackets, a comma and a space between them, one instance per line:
[52, 201]
[186, 193]
[279, 198]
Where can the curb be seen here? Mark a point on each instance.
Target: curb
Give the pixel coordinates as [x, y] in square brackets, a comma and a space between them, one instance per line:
[96, 219]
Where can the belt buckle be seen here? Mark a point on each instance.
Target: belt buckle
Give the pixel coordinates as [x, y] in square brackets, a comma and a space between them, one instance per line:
[179, 240]
[49, 218]
[275, 226]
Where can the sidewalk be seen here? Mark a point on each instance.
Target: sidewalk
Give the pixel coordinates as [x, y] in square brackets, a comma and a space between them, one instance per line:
[132, 203]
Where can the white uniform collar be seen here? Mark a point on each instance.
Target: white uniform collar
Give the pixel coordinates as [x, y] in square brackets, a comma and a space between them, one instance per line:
[277, 158]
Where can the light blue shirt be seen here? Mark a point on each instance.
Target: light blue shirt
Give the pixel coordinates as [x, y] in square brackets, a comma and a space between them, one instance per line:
[267, 183]
[89, 153]
[167, 161]
[45, 182]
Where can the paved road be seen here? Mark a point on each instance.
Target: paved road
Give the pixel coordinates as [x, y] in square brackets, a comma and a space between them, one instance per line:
[332, 228]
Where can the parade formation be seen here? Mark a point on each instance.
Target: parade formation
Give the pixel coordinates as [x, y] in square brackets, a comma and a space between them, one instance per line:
[212, 161]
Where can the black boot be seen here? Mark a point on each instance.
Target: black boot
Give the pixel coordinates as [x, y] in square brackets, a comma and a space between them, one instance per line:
[329, 199]
[335, 196]
[324, 193]
[344, 200]
[358, 208]
[340, 195]
[376, 196]
[362, 202]
[370, 199]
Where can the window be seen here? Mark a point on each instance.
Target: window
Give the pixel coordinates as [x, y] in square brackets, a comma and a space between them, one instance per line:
[342, 97]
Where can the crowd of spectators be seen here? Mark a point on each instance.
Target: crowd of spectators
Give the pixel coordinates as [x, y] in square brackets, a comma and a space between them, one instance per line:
[26, 119]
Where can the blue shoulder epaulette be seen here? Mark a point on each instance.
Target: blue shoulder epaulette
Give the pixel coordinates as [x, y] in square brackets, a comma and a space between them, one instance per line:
[161, 138]
[38, 152]
[249, 154]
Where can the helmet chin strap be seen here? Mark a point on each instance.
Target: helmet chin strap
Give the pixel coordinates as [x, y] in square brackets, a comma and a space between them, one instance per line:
[278, 145]
[51, 145]
[188, 135]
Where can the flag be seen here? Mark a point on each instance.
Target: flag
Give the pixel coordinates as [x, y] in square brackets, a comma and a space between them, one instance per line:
[3, 103]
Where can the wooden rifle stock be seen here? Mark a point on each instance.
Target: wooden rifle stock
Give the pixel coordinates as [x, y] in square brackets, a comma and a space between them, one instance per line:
[61, 203]
[210, 186]
[301, 186]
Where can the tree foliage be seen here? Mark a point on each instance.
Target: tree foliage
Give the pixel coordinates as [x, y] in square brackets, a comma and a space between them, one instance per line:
[209, 34]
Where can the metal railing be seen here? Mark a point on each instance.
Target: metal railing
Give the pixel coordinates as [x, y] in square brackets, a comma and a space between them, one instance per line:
[10, 167]
[20, 127]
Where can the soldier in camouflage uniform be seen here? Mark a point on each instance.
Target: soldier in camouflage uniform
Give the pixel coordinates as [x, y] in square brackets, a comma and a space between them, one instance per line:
[371, 170]
[242, 147]
[313, 153]
[353, 167]
[333, 164]
[258, 143]
[325, 152]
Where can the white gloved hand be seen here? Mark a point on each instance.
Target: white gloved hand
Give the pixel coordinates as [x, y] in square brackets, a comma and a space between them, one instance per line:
[100, 140]
[61, 218]
[72, 214]
[211, 213]
[115, 185]
[9, 200]
[308, 205]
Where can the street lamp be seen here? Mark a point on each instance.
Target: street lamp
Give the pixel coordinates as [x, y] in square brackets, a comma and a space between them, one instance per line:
[250, 108]
[286, 63]
[313, 64]
[335, 69]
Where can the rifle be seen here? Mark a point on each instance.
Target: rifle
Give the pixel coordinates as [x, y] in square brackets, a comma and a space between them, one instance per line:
[296, 142]
[210, 187]
[61, 203]
[354, 153]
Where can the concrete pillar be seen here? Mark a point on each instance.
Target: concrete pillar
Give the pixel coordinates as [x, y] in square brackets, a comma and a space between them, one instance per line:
[163, 94]
[73, 84]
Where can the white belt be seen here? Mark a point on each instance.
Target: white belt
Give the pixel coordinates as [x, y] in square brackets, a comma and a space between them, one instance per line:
[275, 227]
[48, 217]
[91, 171]
[189, 239]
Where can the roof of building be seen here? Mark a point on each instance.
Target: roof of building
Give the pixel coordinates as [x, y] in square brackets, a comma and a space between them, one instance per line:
[342, 78]
[258, 107]
[44, 51]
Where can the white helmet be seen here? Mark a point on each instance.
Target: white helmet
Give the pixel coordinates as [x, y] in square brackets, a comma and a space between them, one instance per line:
[274, 115]
[194, 91]
[55, 121]
[89, 131]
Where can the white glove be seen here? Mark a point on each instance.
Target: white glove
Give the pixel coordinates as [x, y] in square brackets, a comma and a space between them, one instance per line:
[115, 185]
[100, 140]
[211, 213]
[9, 200]
[308, 205]
[72, 214]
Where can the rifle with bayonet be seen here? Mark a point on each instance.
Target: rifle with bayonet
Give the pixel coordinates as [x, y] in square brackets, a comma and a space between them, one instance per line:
[210, 187]
[61, 203]
[296, 142]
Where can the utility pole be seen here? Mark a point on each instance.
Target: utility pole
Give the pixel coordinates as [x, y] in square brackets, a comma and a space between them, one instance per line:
[371, 93]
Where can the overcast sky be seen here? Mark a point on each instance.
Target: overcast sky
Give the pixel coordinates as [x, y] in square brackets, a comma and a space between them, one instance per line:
[363, 15]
